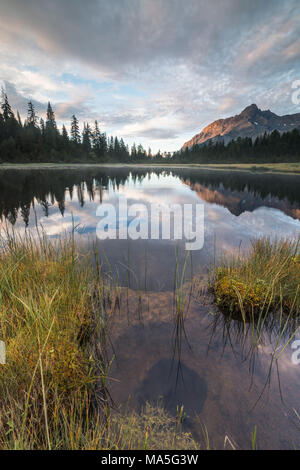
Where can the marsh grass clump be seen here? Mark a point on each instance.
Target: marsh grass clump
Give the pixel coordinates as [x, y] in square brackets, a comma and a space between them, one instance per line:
[264, 280]
[48, 304]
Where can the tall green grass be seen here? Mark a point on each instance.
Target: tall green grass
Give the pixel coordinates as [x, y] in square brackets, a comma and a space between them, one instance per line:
[51, 309]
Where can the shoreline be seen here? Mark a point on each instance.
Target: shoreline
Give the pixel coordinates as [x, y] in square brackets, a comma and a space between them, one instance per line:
[278, 168]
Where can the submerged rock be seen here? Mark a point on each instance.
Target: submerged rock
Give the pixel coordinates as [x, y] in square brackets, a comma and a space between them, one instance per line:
[176, 385]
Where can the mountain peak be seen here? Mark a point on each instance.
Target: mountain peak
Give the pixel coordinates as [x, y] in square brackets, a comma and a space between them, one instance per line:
[250, 109]
[251, 122]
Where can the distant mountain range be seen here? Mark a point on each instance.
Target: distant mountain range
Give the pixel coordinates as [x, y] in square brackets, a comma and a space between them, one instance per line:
[251, 122]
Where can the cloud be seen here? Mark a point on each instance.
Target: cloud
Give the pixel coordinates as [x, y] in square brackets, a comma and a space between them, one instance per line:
[129, 35]
[227, 103]
[20, 102]
[157, 133]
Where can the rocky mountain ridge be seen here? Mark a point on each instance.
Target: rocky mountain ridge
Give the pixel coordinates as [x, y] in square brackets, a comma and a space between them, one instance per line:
[251, 122]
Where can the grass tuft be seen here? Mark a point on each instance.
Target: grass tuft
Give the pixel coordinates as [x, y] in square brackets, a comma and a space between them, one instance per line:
[261, 282]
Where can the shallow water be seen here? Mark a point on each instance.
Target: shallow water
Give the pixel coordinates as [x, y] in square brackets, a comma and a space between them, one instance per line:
[212, 370]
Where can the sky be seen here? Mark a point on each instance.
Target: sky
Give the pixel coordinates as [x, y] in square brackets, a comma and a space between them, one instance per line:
[151, 71]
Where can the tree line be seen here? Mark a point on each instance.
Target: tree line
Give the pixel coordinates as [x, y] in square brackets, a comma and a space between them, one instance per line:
[269, 148]
[39, 140]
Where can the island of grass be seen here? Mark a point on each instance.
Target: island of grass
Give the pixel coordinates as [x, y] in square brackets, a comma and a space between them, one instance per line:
[261, 282]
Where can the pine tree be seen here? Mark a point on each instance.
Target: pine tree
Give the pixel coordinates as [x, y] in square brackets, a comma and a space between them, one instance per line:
[111, 146]
[31, 116]
[75, 134]
[5, 106]
[116, 148]
[141, 154]
[133, 152]
[123, 151]
[50, 121]
[97, 138]
[103, 145]
[65, 134]
[51, 133]
[86, 137]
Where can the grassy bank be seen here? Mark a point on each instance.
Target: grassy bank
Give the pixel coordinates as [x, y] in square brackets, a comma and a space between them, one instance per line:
[258, 167]
[48, 324]
[53, 387]
[264, 281]
[292, 168]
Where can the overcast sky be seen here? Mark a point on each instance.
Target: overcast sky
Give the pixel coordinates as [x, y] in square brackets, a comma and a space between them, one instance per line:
[151, 71]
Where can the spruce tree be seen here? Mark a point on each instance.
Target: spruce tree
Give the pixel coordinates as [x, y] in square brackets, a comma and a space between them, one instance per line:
[31, 116]
[65, 134]
[51, 133]
[7, 112]
[86, 137]
[103, 145]
[75, 134]
[65, 141]
[96, 139]
[50, 121]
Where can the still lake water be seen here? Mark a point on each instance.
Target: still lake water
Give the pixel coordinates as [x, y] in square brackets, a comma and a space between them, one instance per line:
[214, 374]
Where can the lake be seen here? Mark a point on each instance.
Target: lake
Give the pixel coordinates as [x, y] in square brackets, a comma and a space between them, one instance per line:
[210, 366]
